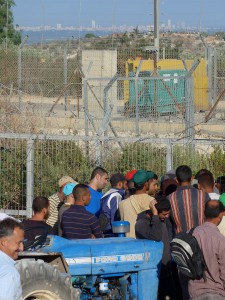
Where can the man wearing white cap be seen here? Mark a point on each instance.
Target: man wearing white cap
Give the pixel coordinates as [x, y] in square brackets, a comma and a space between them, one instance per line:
[56, 201]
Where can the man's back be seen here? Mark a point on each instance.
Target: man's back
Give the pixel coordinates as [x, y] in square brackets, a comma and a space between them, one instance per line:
[77, 223]
[110, 204]
[35, 228]
[187, 206]
[55, 204]
[212, 244]
[131, 207]
[63, 208]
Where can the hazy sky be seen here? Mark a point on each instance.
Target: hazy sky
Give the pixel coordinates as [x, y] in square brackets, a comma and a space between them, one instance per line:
[118, 12]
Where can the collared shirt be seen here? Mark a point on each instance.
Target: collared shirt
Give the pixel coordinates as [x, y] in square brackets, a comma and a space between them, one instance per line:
[131, 207]
[187, 207]
[10, 286]
[55, 204]
[77, 223]
[212, 244]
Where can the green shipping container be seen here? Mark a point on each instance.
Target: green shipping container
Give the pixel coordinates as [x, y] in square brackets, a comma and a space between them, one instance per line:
[158, 95]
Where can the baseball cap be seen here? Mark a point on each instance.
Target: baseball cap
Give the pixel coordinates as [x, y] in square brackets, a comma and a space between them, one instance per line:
[117, 177]
[65, 179]
[68, 188]
[141, 176]
[222, 198]
[129, 175]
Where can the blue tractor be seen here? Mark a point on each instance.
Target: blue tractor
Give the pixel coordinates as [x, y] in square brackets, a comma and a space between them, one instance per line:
[116, 268]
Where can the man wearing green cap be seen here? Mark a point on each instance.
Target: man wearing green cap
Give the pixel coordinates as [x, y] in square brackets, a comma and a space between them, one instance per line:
[135, 204]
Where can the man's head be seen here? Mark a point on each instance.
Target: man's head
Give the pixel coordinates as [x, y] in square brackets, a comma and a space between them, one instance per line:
[163, 207]
[68, 192]
[62, 182]
[168, 186]
[214, 210]
[206, 182]
[153, 184]
[118, 181]
[220, 184]
[141, 180]
[184, 174]
[11, 237]
[81, 194]
[130, 184]
[99, 178]
[41, 206]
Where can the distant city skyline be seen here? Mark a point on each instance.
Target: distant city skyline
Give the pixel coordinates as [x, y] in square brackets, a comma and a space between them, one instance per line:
[107, 13]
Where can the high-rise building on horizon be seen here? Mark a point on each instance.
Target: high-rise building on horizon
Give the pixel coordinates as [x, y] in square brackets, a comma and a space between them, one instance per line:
[93, 24]
[169, 25]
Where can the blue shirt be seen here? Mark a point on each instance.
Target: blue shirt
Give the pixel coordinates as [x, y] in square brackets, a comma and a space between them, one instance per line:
[95, 202]
[10, 286]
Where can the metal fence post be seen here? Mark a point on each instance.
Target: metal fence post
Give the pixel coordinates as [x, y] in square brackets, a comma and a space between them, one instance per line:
[215, 76]
[65, 75]
[209, 57]
[20, 68]
[86, 127]
[169, 155]
[136, 99]
[30, 176]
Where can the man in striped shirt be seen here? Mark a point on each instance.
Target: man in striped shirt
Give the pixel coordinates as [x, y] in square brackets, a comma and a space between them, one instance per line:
[187, 202]
[56, 201]
[77, 222]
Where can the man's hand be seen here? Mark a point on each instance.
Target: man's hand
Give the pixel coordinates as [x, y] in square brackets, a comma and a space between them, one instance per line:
[153, 208]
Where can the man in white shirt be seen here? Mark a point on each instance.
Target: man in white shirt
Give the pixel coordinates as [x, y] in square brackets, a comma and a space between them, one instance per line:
[11, 242]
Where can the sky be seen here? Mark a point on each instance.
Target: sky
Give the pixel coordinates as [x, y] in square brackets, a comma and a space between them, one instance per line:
[198, 13]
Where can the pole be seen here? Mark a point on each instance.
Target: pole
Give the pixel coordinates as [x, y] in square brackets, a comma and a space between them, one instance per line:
[20, 68]
[30, 177]
[156, 27]
[65, 75]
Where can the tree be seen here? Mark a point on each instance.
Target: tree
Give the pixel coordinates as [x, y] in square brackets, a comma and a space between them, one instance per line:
[90, 35]
[7, 30]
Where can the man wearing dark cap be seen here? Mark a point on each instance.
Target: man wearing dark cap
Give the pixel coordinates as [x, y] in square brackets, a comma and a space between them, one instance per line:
[110, 200]
[135, 204]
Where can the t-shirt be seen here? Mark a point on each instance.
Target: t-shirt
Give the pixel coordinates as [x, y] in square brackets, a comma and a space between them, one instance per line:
[36, 228]
[95, 202]
[55, 203]
[63, 208]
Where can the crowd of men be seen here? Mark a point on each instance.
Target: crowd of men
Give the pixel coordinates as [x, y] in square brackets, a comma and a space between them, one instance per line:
[82, 211]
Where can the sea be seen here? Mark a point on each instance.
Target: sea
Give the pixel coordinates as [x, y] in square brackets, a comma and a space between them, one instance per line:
[47, 36]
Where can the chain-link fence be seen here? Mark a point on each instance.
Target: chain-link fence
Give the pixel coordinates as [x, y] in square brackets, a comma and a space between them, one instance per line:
[67, 107]
[70, 88]
[31, 165]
